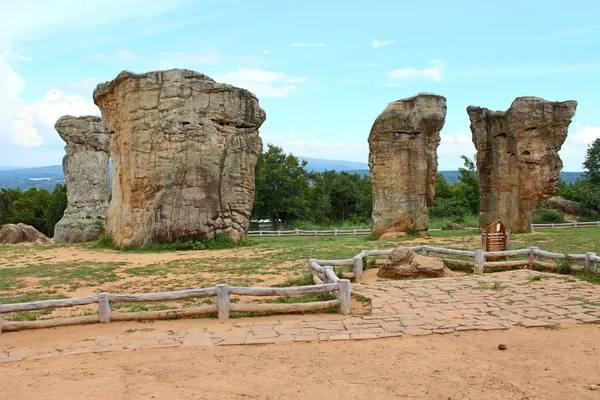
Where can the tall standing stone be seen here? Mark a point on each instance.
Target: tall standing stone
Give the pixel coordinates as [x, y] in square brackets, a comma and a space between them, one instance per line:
[517, 157]
[87, 177]
[184, 150]
[403, 161]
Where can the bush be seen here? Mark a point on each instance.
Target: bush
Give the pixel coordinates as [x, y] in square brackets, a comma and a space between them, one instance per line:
[547, 216]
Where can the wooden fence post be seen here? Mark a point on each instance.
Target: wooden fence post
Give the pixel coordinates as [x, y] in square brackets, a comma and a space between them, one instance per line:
[325, 277]
[532, 257]
[344, 296]
[355, 232]
[315, 232]
[575, 224]
[278, 233]
[103, 308]
[425, 252]
[297, 232]
[589, 263]
[260, 233]
[357, 262]
[479, 262]
[223, 301]
[335, 232]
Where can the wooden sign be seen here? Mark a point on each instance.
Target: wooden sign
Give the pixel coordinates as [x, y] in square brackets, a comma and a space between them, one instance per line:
[495, 237]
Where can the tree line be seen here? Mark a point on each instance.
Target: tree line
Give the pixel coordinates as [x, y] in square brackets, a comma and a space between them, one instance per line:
[36, 207]
[287, 192]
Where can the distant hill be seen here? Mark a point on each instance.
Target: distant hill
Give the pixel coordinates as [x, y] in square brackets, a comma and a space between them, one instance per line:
[41, 178]
[48, 177]
[320, 165]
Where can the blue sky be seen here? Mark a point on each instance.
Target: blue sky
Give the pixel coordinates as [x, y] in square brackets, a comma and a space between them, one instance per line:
[323, 70]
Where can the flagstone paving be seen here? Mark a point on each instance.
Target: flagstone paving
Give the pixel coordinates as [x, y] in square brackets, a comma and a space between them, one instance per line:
[409, 307]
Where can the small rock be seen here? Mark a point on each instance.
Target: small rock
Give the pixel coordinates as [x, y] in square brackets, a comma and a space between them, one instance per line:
[593, 387]
[502, 347]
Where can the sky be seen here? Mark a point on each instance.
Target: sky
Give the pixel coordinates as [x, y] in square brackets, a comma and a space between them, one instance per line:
[322, 70]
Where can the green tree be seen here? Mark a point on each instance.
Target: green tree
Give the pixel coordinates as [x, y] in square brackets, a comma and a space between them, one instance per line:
[592, 162]
[281, 186]
[56, 207]
[468, 187]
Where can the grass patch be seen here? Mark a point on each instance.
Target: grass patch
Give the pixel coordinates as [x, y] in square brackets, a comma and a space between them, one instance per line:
[220, 242]
[535, 278]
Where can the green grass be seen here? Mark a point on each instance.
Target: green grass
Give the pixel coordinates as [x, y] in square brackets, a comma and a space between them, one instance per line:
[535, 278]
[220, 242]
[469, 221]
[72, 275]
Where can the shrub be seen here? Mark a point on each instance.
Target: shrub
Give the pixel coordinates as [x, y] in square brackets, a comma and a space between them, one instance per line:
[547, 216]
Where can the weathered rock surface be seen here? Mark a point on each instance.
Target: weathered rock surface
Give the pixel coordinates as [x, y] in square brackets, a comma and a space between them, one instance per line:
[517, 157]
[403, 160]
[404, 263]
[19, 233]
[570, 208]
[183, 149]
[87, 177]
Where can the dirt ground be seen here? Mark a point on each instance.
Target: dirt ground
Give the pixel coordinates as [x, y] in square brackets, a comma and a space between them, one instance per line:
[538, 364]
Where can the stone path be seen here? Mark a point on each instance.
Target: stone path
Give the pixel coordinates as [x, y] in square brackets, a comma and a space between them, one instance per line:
[410, 307]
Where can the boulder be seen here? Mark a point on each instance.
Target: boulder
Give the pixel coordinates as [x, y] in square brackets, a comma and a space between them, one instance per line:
[19, 233]
[517, 157]
[183, 148]
[453, 227]
[571, 208]
[403, 161]
[404, 263]
[87, 177]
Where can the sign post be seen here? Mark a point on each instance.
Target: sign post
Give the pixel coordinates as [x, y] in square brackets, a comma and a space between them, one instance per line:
[495, 238]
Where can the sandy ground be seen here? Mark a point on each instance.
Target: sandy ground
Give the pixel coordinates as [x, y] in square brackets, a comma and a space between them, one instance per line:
[538, 364]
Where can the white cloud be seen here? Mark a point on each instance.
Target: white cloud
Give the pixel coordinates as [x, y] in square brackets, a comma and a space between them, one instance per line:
[19, 57]
[392, 84]
[381, 43]
[369, 65]
[584, 134]
[434, 72]
[165, 60]
[315, 45]
[262, 83]
[577, 31]
[318, 148]
[574, 149]
[528, 70]
[31, 124]
[459, 144]
[266, 52]
[348, 82]
[24, 19]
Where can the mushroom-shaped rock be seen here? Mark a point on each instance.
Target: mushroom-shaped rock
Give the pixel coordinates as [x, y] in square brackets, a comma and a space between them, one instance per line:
[183, 148]
[517, 157]
[87, 176]
[403, 160]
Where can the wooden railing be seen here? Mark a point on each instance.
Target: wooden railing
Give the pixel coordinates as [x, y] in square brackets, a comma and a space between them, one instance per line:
[574, 224]
[222, 308]
[322, 270]
[302, 232]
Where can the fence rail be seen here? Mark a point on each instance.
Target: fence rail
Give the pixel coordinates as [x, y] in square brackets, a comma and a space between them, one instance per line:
[574, 224]
[354, 232]
[223, 308]
[323, 269]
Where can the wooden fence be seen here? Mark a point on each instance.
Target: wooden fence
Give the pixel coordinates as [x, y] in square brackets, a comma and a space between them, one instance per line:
[301, 232]
[574, 224]
[355, 232]
[322, 270]
[222, 308]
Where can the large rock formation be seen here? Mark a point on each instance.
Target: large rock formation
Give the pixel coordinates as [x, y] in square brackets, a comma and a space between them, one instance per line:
[87, 177]
[19, 233]
[517, 157]
[183, 149]
[403, 162]
[404, 263]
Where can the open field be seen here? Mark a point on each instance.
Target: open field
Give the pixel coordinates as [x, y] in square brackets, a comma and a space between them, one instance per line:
[34, 272]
